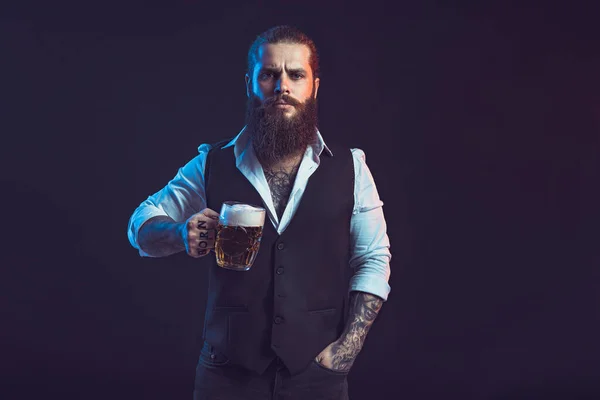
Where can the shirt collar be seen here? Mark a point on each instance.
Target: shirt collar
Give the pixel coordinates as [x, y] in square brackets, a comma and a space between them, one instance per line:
[242, 140]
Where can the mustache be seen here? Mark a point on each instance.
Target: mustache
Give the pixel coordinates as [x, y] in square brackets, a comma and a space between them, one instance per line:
[284, 97]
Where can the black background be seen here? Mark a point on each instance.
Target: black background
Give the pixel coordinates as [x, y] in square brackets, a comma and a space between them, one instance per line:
[481, 125]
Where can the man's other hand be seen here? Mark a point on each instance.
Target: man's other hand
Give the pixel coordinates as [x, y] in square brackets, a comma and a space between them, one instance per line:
[336, 357]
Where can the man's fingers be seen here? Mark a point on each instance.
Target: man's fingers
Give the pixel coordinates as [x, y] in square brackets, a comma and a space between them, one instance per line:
[202, 252]
[201, 233]
[205, 225]
[205, 244]
[210, 213]
[201, 242]
[201, 222]
[199, 251]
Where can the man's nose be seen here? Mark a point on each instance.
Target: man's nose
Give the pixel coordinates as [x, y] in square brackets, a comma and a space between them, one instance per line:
[282, 86]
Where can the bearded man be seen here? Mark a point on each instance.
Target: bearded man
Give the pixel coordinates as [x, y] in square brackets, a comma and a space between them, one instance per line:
[292, 326]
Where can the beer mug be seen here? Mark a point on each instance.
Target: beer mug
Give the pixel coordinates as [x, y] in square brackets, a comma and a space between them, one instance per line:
[239, 232]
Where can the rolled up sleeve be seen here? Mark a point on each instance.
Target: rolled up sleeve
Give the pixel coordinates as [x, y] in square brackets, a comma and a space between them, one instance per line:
[370, 246]
[182, 197]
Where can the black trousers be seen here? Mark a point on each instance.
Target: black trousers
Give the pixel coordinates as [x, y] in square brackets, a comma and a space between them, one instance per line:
[218, 379]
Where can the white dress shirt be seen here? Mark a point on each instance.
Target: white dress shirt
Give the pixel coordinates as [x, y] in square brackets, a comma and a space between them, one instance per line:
[185, 195]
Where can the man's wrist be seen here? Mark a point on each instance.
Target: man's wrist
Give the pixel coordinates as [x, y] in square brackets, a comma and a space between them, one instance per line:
[161, 236]
[362, 313]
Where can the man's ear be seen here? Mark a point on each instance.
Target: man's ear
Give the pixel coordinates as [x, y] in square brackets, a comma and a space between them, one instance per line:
[248, 83]
[317, 81]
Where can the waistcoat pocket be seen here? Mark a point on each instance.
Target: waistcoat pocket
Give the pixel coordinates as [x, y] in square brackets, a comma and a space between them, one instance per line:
[211, 357]
[231, 309]
[324, 311]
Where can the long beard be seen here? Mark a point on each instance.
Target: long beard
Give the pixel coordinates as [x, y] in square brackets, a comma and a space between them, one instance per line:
[275, 136]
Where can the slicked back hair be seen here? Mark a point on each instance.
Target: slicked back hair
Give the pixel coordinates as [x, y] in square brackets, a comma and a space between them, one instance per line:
[283, 34]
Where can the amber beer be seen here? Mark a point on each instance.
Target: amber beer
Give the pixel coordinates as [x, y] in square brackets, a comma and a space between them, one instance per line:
[239, 232]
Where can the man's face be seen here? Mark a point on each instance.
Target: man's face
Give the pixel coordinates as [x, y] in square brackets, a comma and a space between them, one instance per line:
[281, 114]
[282, 78]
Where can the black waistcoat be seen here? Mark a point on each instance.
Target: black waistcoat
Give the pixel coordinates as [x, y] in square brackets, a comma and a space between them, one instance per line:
[292, 303]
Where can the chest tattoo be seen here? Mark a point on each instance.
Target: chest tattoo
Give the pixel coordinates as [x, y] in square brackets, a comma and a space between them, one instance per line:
[280, 182]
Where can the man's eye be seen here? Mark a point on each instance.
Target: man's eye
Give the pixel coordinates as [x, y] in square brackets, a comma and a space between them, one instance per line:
[297, 76]
[265, 75]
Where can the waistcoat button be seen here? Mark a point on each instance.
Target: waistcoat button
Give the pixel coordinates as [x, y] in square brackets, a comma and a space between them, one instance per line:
[279, 271]
[277, 320]
[280, 246]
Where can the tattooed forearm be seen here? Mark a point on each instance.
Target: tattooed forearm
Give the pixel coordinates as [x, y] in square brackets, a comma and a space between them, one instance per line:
[159, 237]
[363, 311]
[280, 182]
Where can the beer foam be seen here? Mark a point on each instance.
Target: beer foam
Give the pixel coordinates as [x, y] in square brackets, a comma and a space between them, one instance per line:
[242, 215]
